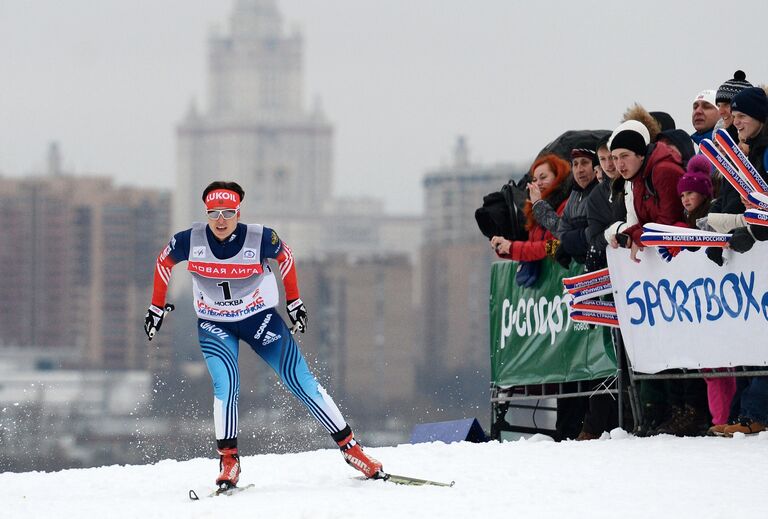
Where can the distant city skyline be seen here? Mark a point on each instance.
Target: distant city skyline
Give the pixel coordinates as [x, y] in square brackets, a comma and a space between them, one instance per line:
[397, 80]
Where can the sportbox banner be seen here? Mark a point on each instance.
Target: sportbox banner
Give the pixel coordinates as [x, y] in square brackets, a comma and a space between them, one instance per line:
[690, 313]
[533, 341]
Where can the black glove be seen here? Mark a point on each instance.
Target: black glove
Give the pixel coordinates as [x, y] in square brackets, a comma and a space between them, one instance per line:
[562, 257]
[297, 312]
[154, 319]
[741, 240]
[715, 254]
[759, 232]
[624, 240]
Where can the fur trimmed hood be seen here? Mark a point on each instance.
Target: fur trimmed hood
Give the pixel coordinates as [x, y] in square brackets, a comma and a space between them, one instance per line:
[637, 113]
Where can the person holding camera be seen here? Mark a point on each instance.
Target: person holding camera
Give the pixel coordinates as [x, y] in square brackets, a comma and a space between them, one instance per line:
[550, 183]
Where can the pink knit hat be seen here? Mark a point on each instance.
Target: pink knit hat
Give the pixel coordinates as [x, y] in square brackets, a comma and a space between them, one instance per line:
[697, 178]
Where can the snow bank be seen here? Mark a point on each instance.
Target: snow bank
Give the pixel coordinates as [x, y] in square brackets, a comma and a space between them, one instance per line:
[634, 477]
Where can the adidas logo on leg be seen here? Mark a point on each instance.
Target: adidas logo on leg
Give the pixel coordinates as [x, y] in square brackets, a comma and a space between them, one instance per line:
[269, 338]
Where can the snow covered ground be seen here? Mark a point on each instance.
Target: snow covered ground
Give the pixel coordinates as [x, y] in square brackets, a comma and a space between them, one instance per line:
[621, 477]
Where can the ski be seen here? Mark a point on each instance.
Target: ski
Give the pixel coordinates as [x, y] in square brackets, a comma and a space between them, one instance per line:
[407, 480]
[220, 492]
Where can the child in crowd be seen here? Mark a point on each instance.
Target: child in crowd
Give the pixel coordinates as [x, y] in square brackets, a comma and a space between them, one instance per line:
[695, 190]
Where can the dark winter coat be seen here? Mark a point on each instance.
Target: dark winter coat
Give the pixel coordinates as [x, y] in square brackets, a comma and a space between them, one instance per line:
[618, 206]
[654, 189]
[728, 201]
[571, 227]
[599, 214]
[605, 205]
[757, 148]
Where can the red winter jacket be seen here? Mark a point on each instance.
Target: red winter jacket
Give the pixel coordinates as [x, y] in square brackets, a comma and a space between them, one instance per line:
[654, 189]
[534, 248]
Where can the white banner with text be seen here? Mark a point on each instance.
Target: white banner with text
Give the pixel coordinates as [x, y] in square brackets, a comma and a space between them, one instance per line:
[690, 313]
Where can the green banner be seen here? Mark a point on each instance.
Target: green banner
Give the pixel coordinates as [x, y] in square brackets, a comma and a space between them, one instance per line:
[533, 341]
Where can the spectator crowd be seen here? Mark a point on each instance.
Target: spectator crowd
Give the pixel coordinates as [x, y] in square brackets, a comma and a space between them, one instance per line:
[602, 193]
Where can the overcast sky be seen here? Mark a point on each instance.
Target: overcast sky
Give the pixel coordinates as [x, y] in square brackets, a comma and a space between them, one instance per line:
[399, 79]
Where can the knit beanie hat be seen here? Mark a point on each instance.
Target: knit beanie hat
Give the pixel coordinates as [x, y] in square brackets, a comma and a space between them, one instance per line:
[603, 142]
[631, 135]
[707, 96]
[697, 177]
[585, 152]
[732, 87]
[751, 101]
[681, 140]
[664, 119]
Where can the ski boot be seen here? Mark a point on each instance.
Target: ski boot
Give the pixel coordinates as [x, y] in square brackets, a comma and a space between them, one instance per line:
[229, 463]
[355, 457]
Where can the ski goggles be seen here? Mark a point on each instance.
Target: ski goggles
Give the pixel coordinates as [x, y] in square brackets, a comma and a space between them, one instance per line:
[227, 214]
